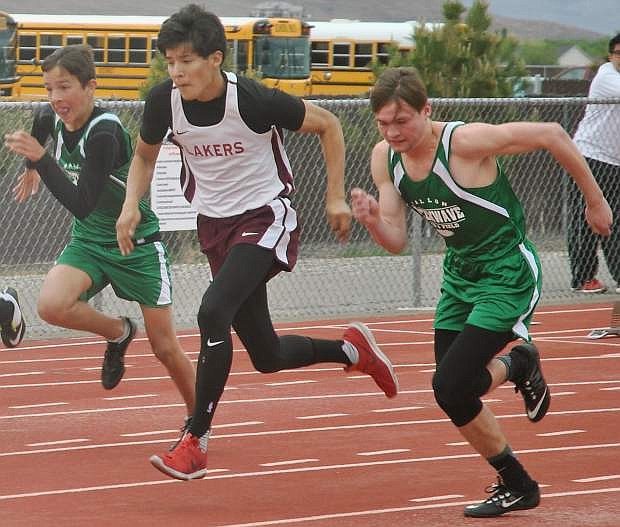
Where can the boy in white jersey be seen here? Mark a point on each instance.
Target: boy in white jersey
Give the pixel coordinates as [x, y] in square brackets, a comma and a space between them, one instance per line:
[87, 173]
[448, 173]
[237, 176]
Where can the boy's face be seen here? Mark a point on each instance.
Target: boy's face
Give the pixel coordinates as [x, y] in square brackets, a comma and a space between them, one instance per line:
[197, 78]
[71, 101]
[402, 126]
[614, 57]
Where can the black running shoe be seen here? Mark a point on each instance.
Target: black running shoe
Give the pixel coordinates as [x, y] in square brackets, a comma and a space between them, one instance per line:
[503, 500]
[114, 359]
[532, 386]
[12, 323]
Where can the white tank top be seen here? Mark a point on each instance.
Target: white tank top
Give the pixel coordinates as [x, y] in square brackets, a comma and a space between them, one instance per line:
[227, 167]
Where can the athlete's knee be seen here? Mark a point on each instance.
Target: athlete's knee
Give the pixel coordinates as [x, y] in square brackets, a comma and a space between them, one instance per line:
[211, 315]
[267, 362]
[51, 312]
[167, 352]
[456, 398]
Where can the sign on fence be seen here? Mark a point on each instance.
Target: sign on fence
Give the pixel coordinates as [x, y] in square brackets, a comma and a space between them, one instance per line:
[167, 200]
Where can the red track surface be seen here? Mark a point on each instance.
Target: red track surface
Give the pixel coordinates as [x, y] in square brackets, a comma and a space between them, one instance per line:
[310, 447]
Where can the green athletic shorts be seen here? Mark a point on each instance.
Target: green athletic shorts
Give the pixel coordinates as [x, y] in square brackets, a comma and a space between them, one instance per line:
[499, 295]
[142, 276]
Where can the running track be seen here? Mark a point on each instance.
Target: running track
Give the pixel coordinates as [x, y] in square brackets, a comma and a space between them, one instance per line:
[311, 447]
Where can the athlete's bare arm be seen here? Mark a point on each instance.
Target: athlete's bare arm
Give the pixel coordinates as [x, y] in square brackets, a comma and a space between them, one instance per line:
[385, 220]
[477, 142]
[138, 181]
[319, 121]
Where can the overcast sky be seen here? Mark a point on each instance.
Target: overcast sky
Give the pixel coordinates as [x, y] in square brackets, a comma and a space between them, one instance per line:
[602, 16]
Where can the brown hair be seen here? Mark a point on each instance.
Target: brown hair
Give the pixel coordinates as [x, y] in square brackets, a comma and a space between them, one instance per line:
[398, 83]
[77, 59]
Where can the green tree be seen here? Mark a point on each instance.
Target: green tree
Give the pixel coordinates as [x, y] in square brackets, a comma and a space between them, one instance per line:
[158, 71]
[462, 58]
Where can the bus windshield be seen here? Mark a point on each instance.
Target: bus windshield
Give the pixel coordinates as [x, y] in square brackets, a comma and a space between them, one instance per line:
[7, 49]
[282, 58]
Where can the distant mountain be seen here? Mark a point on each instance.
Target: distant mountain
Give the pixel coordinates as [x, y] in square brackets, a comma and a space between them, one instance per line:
[364, 10]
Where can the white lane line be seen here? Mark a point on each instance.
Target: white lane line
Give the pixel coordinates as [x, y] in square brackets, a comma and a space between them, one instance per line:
[610, 389]
[266, 433]
[61, 442]
[399, 409]
[95, 381]
[274, 399]
[289, 462]
[558, 394]
[384, 452]
[322, 416]
[581, 341]
[22, 374]
[437, 498]
[22, 406]
[597, 478]
[561, 433]
[288, 383]
[158, 432]
[458, 443]
[123, 397]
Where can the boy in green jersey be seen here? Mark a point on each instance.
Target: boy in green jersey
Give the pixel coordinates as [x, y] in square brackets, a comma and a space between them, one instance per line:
[448, 172]
[87, 173]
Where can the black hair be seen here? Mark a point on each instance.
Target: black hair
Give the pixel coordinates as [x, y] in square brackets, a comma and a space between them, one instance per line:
[196, 26]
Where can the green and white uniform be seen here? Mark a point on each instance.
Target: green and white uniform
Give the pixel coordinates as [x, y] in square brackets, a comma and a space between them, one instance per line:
[492, 275]
[144, 275]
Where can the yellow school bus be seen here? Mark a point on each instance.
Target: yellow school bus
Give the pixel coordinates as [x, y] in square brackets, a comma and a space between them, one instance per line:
[276, 50]
[342, 52]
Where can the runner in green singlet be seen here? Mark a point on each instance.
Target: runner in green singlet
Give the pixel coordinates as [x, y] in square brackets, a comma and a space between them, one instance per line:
[448, 173]
[87, 173]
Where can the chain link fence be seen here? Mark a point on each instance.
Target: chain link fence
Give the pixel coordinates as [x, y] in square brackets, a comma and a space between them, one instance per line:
[331, 279]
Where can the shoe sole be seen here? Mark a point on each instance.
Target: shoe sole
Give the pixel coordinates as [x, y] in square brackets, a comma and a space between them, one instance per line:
[472, 514]
[159, 464]
[381, 356]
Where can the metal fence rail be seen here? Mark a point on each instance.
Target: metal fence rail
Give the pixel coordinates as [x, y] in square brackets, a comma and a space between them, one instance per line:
[331, 279]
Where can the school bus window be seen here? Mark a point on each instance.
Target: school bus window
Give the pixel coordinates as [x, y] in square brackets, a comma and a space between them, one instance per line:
[363, 55]
[27, 47]
[137, 50]
[237, 53]
[320, 53]
[116, 48]
[383, 52]
[75, 39]
[153, 47]
[97, 43]
[341, 54]
[49, 44]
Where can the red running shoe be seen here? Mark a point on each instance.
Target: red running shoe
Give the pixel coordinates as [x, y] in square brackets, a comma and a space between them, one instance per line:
[591, 286]
[185, 462]
[372, 360]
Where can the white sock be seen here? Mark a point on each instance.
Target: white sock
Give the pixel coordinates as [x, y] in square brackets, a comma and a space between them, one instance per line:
[125, 332]
[203, 440]
[351, 352]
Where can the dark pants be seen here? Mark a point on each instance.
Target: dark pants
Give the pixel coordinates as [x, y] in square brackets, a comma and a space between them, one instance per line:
[582, 242]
